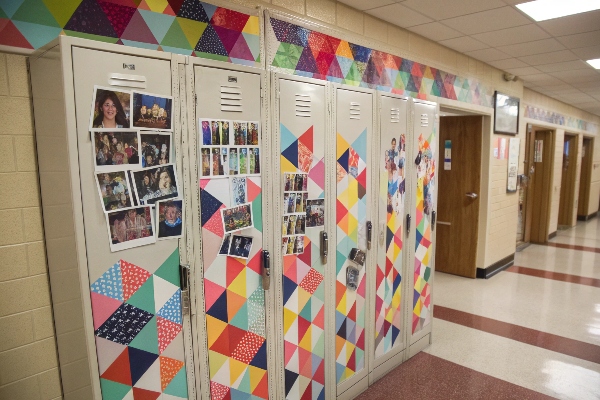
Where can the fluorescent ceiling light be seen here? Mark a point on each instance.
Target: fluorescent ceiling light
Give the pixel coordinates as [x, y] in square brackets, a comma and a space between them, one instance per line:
[541, 10]
[594, 63]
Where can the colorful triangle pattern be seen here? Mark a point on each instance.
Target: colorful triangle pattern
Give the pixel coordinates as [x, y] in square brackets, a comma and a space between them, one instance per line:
[304, 52]
[151, 361]
[179, 26]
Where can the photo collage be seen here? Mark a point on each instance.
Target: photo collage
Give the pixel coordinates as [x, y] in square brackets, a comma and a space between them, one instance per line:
[295, 198]
[134, 154]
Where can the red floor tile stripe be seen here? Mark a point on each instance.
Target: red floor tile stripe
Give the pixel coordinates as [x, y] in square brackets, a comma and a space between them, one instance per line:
[570, 347]
[429, 377]
[557, 276]
[573, 247]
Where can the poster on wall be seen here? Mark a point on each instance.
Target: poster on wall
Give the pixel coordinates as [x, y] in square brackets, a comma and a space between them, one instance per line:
[513, 164]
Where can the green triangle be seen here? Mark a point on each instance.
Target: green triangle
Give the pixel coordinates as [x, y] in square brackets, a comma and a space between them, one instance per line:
[178, 386]
[3, 14]
[287, 56]
[175, 37]
[427, 274]
[147, 339]
[306, 312]
[35, 11]
[144, 297]
[211, 56]
[353, 74]
[319, 348]
[113, 390]
[169, 270]
[257, 213]
[245, 382]
[99, 38]
[62, 10]
[240, 320]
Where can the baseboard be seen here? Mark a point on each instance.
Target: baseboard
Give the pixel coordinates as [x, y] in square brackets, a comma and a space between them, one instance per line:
[552, 235]
[587, 217]
[487, 273]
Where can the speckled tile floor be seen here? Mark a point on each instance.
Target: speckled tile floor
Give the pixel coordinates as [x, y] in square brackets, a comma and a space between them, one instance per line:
[529, 333]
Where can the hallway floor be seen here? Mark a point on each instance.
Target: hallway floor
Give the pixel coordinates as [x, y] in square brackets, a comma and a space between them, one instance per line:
[530, 332]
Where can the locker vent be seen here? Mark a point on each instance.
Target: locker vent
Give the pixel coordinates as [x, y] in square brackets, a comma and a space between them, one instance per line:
[395, 115]
[303, 106]
[354, 110]
[231, 98]
[127, 80]
[424, 120]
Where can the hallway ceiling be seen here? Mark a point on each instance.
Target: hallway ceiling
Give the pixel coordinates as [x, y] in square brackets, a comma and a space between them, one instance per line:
[549, 56]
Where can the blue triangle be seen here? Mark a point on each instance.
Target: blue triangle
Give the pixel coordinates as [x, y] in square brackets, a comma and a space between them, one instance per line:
[291, 153]
[253, 42]
[110, 283]
[172, 308]
[139, 362]
[288, 288]
[36, 34]
[239, 395]
[209, 205]
[219, 308]
[343, 160]
[158, 23]
[209, 9]
[290, 380]
[360, 145]
[339, 371]
[10, 7]
[260, 359]
[287, 137]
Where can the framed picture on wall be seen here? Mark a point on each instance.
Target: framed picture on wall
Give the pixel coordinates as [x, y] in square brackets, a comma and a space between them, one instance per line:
[506, 114]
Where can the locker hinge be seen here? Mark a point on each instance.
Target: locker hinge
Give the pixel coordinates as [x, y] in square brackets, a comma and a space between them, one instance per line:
[278, 94]
[195, 100]
[184, 282]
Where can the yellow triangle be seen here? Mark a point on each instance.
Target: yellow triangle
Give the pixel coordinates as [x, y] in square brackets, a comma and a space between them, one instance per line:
[342, 146]
[256, 375]
[287, 166]
[428, 74]
[341, 307]
[157, 5]
[397, 250]
[417, 309]
[396, 299]
[216, 362]
[289, 317]
[352, 226]
[303, 297]
[236, 368]
[352, 192]
[344, 50]
[238, 286]
[252, 26]
[214, 328]
[348, 373]
[306, 342]
[191, 29]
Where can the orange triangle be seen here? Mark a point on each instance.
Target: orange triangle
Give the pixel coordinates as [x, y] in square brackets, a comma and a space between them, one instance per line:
[262, 389]
[169, 11]
[234, 303]
[143, 394]
[168, 369]
[119, 370]
[307, 138]
[144, 6]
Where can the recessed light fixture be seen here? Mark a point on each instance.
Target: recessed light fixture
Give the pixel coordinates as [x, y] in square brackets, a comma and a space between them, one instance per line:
[594, 63]
[541, 10]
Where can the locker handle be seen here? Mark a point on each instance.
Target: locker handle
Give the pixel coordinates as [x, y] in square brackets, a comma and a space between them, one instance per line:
[324, 246]
[184, 283]
[408, 221]
[433, 214]
[266, 276]
[369, 234]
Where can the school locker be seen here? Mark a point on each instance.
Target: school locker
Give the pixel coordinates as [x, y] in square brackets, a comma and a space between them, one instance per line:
[119, 325]
[425, 122]
[230, 299]
[301, 137]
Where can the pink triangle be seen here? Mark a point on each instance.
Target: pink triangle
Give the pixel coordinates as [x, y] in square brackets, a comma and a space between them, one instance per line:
[241, 50]
[307, 138]
[133, 278]
[303, 269]
[204, 183]
[290, 349]
[212, 292]
[317, 174]
[167, 330]
[228, 37]
[253, 190]
[138, 30]
[292, 270]
[102, 308]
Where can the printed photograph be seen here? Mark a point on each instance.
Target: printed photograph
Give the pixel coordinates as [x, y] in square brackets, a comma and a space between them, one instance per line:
[300, 202]
[117, 150]
[243, 160]
[233, 161]
[237, 218]
[157, 149]
[315, 213]
[131, 227]
[240, 133]
[292, 224]
[114, 190]
[300, 224]
[206, 132]
[217, 166]
[152, 111]
[132, 191]
[284, 245]
[169, 218]
[284, 226]
[205, 161]
[240, 246]
[111, 109]
[253, 133]
[299, 245]
[254, 162]
[239, 191]
[290, 245]
[225, 132]
[155, 183]
[225, 245]
[295, 182]
[291, 205]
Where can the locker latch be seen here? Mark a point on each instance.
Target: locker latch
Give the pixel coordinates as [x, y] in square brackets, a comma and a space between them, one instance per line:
[433, 220]
[369, 234]
[408, 221]
[324, 246]
[266, 275]
[184, 283]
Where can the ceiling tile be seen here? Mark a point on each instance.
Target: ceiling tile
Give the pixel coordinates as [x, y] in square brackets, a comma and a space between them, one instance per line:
[572, 24]
[399, 15]
[580, 39]
[543, 79]
[522, 72]
[508, 63]
[366, 5]
[587, 85]
[485, 21]
[463, 44]
[588, 53]
[578, 76]
[556, 88]
[519, 34]
[451, 8]
[577, 98]
[488, 55]
[529, 48]
[435, 31]
[549, 58]
[564, 66]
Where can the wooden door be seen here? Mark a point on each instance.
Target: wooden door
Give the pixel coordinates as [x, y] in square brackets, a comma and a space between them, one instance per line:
[585, 179]
[458, 208]
[540, 185]
[567, 186]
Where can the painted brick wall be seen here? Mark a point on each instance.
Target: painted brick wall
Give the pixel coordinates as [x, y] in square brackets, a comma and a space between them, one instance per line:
[28, 359]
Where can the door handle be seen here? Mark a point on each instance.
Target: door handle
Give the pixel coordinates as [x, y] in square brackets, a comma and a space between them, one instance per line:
[369, 234]
[324, 246]
[471, 195]
[266, 276]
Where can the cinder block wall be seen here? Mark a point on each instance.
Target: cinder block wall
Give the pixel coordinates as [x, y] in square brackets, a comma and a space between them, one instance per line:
[28, 359]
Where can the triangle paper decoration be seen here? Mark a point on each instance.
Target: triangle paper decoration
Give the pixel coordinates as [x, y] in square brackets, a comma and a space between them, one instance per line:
[168, 369]
[192, 9]
[118, 15]
[158, 23]
[211, 43]
[143, 298]
[119, 370]
[114, 390]
[147, 339]
[35, 11]
[138, 30]
[143, 394]
[140, 361]
[90, 18]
